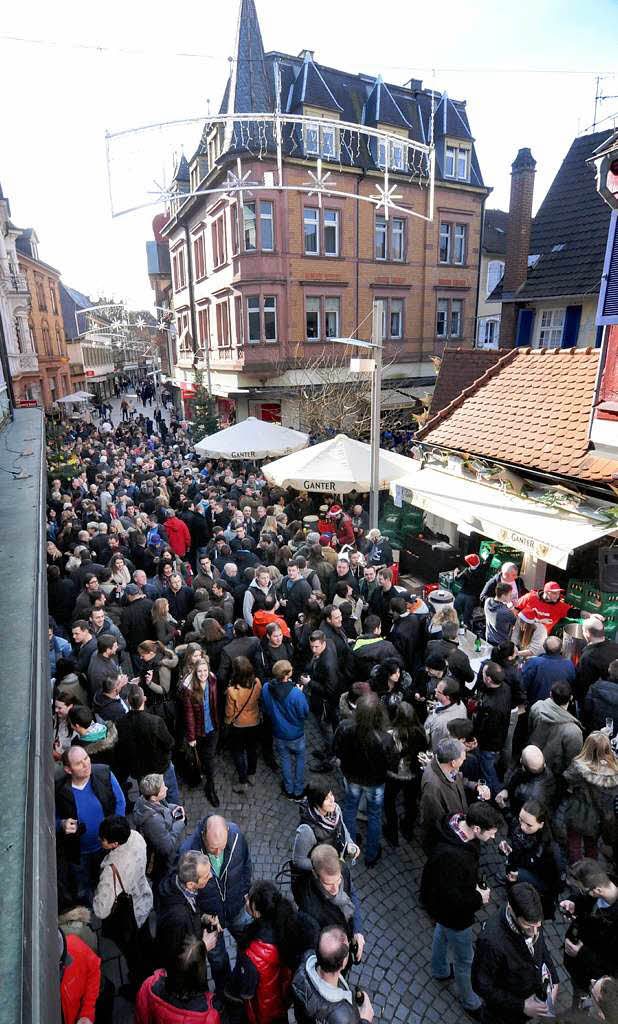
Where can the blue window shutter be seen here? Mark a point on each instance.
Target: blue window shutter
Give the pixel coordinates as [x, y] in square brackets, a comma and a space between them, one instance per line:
[571, 326]
[607, 310]
[598, 341]
[525, 319]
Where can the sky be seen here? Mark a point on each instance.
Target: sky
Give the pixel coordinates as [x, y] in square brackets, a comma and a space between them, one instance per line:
[527, 72]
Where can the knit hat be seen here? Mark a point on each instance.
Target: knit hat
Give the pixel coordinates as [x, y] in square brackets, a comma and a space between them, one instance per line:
[131, 590]
[473, 561]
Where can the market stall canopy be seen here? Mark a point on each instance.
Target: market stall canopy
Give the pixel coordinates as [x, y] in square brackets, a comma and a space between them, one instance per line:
[336, 466]
[77, 396]
[252, 439]
[545, 532]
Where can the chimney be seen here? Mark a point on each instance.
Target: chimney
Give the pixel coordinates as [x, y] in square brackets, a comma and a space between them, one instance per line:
[523, 170]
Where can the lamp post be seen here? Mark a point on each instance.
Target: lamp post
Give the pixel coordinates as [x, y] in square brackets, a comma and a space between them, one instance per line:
[374, 366]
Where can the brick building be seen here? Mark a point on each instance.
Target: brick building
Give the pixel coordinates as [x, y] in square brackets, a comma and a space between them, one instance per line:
[260, 286]
[50, 378]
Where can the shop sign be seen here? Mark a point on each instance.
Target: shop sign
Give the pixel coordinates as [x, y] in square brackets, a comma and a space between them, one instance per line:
[320, 485]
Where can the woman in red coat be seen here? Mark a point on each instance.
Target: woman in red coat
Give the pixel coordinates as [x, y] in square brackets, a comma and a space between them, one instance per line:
[180, 995]
[200, 702]
[269, 951]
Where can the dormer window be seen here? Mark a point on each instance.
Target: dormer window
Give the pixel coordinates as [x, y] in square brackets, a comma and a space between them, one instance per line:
[457, 162]
[320, 137]
[397, 154]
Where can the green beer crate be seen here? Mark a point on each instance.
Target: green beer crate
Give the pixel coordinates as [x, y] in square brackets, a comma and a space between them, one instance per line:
[576, 592]
[601, 602]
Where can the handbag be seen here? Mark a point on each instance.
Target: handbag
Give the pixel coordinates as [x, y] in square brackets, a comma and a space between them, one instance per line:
[120, 925]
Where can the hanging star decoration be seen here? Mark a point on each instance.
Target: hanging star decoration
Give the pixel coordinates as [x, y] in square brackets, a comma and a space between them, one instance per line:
[318, 186]
[162, 325]
[239, 182]
[385, 198]
[140, 323]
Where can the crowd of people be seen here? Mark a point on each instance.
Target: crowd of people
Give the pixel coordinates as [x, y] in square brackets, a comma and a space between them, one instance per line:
[196, 614]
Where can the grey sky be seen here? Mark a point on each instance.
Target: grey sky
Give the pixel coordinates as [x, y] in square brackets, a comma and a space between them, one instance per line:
[59, 99]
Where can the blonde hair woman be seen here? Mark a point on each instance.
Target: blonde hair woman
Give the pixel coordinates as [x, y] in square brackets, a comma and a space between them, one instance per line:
[165, 624]
[199, 700]
[592, 779]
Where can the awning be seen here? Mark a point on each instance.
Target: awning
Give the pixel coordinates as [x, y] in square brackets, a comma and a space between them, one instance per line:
[550, 534]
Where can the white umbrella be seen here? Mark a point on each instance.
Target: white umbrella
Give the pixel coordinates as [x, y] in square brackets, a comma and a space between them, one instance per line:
[336, 466]
[77, 396]
[252, 439]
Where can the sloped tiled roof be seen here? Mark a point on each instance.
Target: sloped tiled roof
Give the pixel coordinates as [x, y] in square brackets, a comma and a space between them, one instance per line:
[459, 368]
[569, 231]
[494, 231]
[252, 83]
[531, 409]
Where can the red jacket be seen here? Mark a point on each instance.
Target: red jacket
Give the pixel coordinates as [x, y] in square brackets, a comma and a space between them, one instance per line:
[345, 530]
[178, 535]
[194, 713]
[152, 1009]
[262, 619]
[272, 997]
[79, 988]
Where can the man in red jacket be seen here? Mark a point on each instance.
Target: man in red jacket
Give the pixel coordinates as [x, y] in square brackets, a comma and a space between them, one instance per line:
[343, 526]
[80, 980]
[178, 536]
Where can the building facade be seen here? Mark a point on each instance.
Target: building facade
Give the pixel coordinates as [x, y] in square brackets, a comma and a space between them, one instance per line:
[89, 344]
[261, 282]
[50, 378]
[21, 356]
[493, 252]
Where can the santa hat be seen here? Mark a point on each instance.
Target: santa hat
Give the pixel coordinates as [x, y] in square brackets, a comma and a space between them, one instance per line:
[335, 510]
[473, 561]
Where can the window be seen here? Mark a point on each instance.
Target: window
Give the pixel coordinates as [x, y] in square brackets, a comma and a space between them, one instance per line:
[311, 219]
[223, 324]
[488, 332]
[332, 307]
[312, 319]
[396, 318]
[331, 232]
[46, 340]
[40, 294]
[392, 318]
[397, 154]
[234, 225]
[270, 317]
[267, 231]
[457, 163]
[59, 340]
[381, 238]
[240, 324]
[452, 248]
[495, 270]
[198, 257]
[258, 309]
[253, 316]
[203, 327]
[390, 239]
[219, 241]
[52, 295]
[19, 334]
[456, 310]
[397, 237]
[321, 140]
[250, 227]
[449, 318]
[178, 269]
[551, 328]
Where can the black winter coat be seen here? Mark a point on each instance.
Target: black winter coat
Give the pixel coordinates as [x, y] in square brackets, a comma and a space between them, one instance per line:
[144, 745]
[449, 879]
[136, 622]
[504, 973]
[243, 646]
[524, 785]
[366, 765]
[491, 721]
[310, 1005]
[407, 637]
[458, 661]
[67, 808]
[176, 921]
[225, 895]
[321, 912]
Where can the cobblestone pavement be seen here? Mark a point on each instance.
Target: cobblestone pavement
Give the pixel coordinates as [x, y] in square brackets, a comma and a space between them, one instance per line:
[395, 969]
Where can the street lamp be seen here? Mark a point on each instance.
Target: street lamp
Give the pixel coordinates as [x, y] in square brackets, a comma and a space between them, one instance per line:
[373, 366]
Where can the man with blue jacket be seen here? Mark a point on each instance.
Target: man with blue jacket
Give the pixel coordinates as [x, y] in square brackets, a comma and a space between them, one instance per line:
[287, 707]
[540, 673]
[223, 897]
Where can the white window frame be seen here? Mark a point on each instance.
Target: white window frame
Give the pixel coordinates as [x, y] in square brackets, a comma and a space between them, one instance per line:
[458, 333]
[314, 221]
[459, 238]
[488, 333]
[335, 300]
[445, 232]
[269, 305]
[317, 301]
[399, 311]
[381, 228]
[269, 217]
[550, 328]
[318, 133]
[450, 157]
[398, 235]
[330, 224]
[252, 310]
[495, 269]
[444, 306]
[453, 154]
[247, 206]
